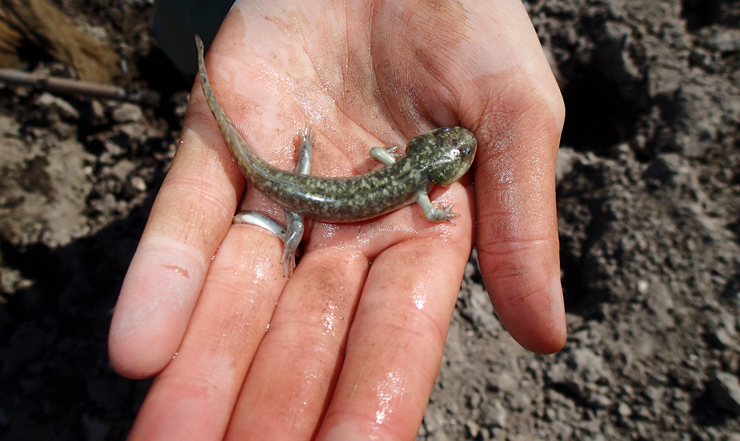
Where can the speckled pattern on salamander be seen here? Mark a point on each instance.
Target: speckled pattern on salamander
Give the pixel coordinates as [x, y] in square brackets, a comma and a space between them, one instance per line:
[438, 157]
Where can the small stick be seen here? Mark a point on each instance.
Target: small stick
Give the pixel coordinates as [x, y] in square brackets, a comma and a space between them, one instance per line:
[79, 87]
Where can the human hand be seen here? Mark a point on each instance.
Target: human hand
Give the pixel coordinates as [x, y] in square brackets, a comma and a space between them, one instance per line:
[356, 335]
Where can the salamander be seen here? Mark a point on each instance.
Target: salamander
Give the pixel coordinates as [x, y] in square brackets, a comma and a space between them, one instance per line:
[437, 157]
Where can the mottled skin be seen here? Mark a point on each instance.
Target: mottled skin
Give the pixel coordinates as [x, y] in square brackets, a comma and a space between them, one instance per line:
[371, 194]
[438, 157]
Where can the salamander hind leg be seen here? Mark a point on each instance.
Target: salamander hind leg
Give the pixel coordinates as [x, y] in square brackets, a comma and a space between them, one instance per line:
[295, 223]
[305, 150]
[260, 220]
[292, 233]
[434, 214]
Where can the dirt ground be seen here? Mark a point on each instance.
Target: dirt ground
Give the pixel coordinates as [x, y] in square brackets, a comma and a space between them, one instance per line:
[649, 218]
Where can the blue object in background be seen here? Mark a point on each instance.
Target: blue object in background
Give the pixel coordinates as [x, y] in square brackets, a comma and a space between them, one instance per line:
[177, 21]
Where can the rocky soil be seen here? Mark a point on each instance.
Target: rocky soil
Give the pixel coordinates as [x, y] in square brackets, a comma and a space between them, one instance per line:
[649, 207]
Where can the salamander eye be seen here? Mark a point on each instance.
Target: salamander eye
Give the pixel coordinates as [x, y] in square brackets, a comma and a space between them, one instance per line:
[465, 150]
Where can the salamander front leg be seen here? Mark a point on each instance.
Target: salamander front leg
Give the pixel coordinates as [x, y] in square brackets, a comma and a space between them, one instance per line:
[432, 213]
[386, 155]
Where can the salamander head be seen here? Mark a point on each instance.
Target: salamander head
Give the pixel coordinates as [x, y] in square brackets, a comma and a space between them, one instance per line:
[446, 153]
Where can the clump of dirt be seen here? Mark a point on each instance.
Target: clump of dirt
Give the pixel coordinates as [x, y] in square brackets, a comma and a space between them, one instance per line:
[649, 216]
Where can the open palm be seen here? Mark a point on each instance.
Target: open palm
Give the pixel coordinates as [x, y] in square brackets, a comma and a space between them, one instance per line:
[349, 347]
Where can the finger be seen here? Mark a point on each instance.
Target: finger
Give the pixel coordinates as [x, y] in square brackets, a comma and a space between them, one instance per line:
[296, 366]
[517, 233]
[194, 396]
[285, 392]
[189, 219]
[518, 112]
[395, 346]
[517, 237]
